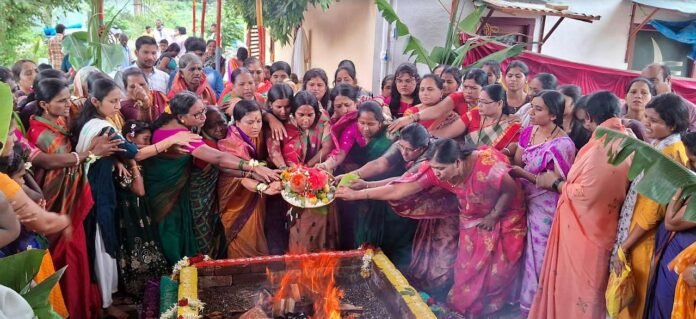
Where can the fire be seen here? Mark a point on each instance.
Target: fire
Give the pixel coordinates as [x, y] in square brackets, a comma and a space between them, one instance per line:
[314, 282]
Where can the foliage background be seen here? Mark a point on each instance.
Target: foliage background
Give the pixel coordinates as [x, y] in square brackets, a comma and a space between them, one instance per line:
[21, 35]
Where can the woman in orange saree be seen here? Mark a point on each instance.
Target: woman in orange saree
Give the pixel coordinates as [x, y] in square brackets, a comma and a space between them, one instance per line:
[241, 201]
[574, 276]
[192, 78]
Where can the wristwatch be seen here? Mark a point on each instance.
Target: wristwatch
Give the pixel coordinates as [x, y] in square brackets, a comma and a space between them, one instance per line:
[556, 184]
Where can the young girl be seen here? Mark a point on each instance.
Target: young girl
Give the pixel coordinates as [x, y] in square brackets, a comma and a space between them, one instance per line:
[431, 93]
[406, 79]
[346, 74]
[140, 255]
[316, 82]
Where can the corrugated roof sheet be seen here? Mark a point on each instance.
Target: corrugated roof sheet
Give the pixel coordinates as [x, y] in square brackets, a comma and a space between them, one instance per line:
[517, 7]
[684, 6]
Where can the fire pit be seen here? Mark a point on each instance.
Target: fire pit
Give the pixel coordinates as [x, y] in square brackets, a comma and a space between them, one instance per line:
[332, 285]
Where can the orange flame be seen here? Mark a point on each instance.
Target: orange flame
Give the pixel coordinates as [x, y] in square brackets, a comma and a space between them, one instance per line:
[316, 281]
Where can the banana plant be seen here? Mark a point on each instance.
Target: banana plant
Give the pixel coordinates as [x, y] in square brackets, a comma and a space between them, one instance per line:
[663, 175]
[94, 47]
[18, 272]
[452, 52]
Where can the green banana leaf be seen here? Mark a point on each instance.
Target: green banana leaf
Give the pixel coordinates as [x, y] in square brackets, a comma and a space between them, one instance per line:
[501, 55]
[37, 296]
[19, 270]
[470, 23]
[76, 46]
[663, 175]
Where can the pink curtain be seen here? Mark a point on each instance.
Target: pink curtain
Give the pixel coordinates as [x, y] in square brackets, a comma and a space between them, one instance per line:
[589, 77]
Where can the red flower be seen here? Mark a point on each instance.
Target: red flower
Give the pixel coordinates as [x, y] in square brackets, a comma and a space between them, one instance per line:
[183, 302]
[298, 183]
[317, 180]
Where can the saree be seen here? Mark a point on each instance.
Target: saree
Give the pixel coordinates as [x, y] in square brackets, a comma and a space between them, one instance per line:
[574, 276]
[684, 295]
[204, 91]
[67, 191]
[140, 255]
[434, 126]
[434, 248]
[204, 204]
[488, 262]
[640, 211]
[661, 299]
[497, 134]
[555, 155]
[310, 229]
[101, 224]
[374, 221]
[168, 189]
[242, 211]
[134, 110]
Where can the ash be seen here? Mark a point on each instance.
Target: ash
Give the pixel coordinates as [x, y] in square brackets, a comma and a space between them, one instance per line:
[230, 302]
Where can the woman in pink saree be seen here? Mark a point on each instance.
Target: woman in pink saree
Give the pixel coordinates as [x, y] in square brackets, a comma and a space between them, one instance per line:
[492, 223]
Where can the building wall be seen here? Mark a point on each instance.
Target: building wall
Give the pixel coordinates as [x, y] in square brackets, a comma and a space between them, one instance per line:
[345, 31]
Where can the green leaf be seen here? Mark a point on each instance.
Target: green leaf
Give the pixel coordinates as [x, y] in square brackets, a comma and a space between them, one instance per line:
[470, 22]
[415, 48]
[501, 55]
[37, 297]
[20, 269]
[663, 175]
[440, 55]
[111, 57]
[76, 45]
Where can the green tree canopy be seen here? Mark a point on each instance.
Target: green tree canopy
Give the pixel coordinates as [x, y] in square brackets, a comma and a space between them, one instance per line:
[20, 18]
[280, 16]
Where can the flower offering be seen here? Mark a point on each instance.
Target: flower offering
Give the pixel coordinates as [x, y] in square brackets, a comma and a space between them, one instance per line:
[307, 187]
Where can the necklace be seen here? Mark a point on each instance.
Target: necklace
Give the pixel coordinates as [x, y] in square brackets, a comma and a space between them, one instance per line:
[547, 138]
[483, 125]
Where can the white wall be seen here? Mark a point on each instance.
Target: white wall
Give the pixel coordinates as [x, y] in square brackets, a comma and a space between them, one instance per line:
[344, 31]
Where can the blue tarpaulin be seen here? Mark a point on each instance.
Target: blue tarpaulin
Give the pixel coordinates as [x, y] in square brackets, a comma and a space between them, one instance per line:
[680, 31]
[51, 31]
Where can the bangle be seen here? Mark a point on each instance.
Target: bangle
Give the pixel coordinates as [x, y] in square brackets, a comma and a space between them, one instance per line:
[261, 187]
[416, 117]
[77, 158]
[241, 165]
[253, 163]
[156, 150]
[506, 151]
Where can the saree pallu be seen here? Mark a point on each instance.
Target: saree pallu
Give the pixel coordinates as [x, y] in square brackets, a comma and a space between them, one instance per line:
[685, 294]
[276, 206]
[242, 211]
[67, 191]
[205, 208]
[574, 276]
[169, 195]
[64, 189]
[497, 134]
[557, 154]
[435, 240]
[140, 255]
[661, 297]
[310, 229]
[374, 221]
[131, 110]
[488, 262]
[204, 91]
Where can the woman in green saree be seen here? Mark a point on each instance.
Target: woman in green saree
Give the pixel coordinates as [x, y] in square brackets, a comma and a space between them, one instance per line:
[365, 139]
[168, 176]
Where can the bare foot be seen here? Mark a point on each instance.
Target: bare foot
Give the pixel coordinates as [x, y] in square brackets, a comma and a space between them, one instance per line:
[115, 312]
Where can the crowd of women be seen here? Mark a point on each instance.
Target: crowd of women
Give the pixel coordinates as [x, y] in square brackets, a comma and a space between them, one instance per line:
[485, 188]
